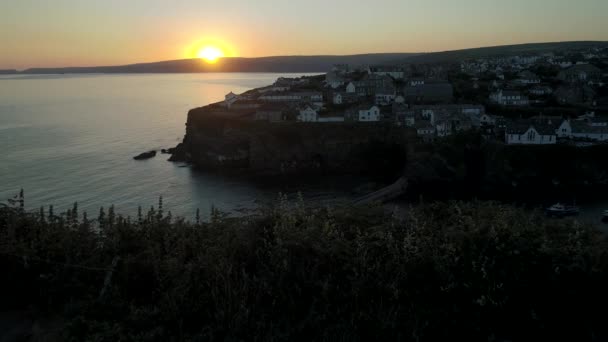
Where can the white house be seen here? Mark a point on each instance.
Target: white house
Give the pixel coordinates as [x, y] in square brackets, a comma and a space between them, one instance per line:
[530, 133]
[230, 98]
[369, 114]
[351, 88]
[587, 130]
[509, 98]
[308, 114]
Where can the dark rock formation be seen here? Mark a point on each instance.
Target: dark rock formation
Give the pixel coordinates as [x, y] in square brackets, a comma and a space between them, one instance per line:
[219, 141]
[145, 155]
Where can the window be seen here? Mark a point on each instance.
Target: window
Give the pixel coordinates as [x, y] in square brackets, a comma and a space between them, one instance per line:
[532, 135]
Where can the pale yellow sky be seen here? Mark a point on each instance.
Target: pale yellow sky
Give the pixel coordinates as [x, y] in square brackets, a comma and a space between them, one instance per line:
[37, 33]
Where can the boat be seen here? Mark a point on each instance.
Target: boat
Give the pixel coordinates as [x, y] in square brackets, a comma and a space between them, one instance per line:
[605, 216]
[145, 155]
[561, 210]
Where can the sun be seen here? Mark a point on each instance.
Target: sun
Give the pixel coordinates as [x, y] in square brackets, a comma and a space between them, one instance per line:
[210, 53]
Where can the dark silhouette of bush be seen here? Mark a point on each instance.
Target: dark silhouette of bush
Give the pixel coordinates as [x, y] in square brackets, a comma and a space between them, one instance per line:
[458, 271]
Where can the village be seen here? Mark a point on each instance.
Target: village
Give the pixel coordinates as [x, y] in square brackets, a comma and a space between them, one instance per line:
[532, 99]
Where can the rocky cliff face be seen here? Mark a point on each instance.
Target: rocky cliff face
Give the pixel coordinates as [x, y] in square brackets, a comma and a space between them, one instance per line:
[223, 141]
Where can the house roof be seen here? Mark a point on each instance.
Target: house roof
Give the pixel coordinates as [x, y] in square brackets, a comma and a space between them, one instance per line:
[522, 126]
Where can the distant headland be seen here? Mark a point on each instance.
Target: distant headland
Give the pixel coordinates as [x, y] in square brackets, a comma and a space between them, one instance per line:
[309, 64]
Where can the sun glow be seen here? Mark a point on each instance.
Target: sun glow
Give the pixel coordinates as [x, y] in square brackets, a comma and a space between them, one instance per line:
[210, 53]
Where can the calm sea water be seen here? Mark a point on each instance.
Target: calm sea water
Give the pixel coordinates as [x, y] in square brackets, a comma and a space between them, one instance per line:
[71, 138]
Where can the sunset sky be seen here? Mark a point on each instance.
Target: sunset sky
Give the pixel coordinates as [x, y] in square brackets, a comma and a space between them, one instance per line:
[36, 33]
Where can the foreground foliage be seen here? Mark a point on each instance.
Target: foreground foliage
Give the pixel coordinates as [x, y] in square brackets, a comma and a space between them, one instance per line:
[475, 271]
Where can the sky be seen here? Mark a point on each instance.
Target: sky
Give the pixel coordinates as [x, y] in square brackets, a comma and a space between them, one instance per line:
[51, 33]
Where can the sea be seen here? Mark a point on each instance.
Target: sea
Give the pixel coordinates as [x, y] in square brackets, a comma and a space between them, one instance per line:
[72, 138]
[68, 139]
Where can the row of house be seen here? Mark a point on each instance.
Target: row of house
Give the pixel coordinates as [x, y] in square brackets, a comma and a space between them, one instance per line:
[547, 131]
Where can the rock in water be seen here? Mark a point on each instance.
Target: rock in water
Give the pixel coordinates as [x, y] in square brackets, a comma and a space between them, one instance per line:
[145, 155]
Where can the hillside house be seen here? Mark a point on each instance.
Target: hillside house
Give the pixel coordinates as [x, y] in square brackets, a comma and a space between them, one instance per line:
[446, 125]
[301, 96]
[351, 88]
[432, 112]
[386, 94]
[403, 115]
[528, 132]
[581, 73]
[370, 85]
[528, 77]
[307, 113]
[583, 130]
[368, 113]
[395, 72]
[230, 98]
[541, 90]
[509, 98]
[340, 98]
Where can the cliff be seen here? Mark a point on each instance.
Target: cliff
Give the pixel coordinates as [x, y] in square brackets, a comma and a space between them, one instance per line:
[222, 141]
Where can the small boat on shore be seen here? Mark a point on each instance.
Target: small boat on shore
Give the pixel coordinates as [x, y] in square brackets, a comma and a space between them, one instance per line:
[560, 210]
[145, 155]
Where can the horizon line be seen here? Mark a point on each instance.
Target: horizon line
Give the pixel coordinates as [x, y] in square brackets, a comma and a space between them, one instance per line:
[310, 55]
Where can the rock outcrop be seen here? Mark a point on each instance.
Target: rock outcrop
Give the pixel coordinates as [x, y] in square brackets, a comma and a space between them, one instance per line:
[216, 140]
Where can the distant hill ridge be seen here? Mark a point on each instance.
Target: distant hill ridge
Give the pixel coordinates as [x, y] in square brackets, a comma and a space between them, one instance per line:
[321, 63]
[502, 50]
[302, 64]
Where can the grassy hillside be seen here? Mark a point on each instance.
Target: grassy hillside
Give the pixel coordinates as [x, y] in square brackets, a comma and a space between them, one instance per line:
[497, 51]
[456, 271]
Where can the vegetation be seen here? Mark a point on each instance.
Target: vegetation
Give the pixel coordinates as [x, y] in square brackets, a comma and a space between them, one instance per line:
[466, 166]
[477, 271]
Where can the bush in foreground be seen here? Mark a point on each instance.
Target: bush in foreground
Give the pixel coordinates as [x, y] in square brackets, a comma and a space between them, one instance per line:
[474, 271]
